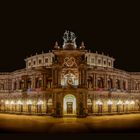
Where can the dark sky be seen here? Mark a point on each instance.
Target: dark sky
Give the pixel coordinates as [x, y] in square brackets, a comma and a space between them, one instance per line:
[27, 28]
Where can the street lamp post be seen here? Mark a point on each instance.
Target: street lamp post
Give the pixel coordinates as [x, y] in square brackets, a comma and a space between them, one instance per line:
[29, 103]
[132, 105]
[118, 105]
[109, 106]
[12, 103]
[126, 103]
[20, 104]
[1, 104]
[99, 103]
[7, 105]
[123, 106]
[39, 106]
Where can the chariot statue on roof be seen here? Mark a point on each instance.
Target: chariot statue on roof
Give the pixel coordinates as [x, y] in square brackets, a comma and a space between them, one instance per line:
[66, 36]
[72, 37]
[69, 37]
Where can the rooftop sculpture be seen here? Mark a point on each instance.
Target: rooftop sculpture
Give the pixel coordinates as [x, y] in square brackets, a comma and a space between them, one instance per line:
[69, 38]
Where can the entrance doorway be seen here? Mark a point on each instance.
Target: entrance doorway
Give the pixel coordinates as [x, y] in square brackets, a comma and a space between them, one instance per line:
[69, 105]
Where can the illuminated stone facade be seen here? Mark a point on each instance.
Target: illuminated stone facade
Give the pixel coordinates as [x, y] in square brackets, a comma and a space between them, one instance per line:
[69, 80]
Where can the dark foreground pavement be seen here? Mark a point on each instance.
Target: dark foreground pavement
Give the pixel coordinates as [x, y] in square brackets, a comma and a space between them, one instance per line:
[94, 124]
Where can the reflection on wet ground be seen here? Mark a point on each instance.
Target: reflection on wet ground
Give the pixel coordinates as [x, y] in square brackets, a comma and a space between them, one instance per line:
[49, 125]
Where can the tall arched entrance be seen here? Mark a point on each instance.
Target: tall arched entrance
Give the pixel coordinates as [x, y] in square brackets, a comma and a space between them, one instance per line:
[69, 104]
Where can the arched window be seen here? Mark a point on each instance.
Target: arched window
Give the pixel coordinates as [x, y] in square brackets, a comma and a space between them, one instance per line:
[15, 85]
[100, 83]
[89, 105]
[49, 105]
[118, 84]
[1, 86]
[21, 84]
[89, 84]
[109, 82]
[38, 82]
[100, 105]
[40, 61]
[29, 83]
[136, 86]
[46, 60]
[124, 85]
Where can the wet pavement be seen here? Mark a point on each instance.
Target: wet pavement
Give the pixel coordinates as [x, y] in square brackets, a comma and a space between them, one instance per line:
[10, 123]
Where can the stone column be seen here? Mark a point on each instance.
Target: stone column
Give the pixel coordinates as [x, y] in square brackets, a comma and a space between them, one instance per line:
[105, 81]
[94, 102]
[33, 82]
[56, 74]
[132, 85]
[83, 75]
[107, 86]
[80, 77]
[44, 81]
[53, 77]
[12, 84]
[114, 82]
[85, 102]
[121, 84]
[81, 72]
[95, 81]
[54, 102]
[85, 79]
[59, 77]
[5, 84]
[18, 84]
[126, 84]
[25, 82]
[93, 85]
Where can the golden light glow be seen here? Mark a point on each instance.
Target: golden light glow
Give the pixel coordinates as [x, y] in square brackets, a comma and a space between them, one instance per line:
[2, 101]
[19, 102]
[109, 102]
[69, 98]
[99, 102]
[49, 102]
[40, 102]
[7, 102]
[89, 102]
[119, 102]
[127, 102]
[132, 102]
[29, 102]
[12, 102]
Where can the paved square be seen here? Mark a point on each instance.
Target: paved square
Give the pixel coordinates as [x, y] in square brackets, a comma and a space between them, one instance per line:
[93, 124]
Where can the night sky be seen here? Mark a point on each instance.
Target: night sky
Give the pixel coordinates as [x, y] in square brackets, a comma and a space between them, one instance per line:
[27, 28]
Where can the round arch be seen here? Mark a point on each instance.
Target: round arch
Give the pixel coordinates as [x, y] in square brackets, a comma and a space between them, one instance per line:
[69, 104]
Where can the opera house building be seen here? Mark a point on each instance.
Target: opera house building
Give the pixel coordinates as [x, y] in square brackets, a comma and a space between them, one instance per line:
[69, 80]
